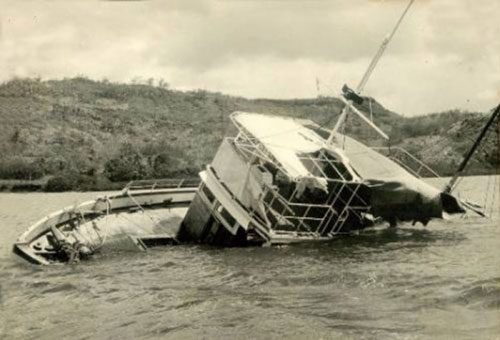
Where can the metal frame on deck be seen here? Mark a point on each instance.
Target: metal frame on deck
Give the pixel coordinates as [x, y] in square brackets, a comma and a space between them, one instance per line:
[285, 209]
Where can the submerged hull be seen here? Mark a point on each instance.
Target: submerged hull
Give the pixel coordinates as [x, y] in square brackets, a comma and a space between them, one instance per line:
[130, 220]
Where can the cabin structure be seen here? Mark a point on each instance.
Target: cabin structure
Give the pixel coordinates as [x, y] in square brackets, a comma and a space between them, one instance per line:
[277, 181]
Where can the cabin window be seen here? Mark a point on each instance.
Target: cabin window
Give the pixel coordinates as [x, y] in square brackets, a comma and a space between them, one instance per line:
[227, 216]
[333, 167]
[343, 170]
[323, 164]
[208, 194]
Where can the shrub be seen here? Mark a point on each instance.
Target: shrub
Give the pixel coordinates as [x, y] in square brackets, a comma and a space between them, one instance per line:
[19, 168]
[60, 183]
[71, 181]
[128, 165]
[22, 87]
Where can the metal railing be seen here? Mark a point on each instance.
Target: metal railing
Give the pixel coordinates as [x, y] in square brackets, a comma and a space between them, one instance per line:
[409, 162]
[315, 219]
[165, 183]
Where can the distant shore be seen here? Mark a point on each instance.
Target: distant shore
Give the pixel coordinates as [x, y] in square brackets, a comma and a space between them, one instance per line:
[43, 185]
[85, 135]
[40, 185]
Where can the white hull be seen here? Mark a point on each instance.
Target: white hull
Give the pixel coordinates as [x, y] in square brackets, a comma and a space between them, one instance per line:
[130, 219]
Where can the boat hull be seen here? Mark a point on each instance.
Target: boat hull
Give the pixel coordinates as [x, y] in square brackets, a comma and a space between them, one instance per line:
[130, 220]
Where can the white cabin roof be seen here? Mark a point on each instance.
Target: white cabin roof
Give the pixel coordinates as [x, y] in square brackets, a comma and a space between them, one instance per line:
[288, 139]
[285, 138]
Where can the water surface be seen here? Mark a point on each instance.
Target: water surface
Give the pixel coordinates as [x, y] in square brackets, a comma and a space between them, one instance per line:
[441, 281]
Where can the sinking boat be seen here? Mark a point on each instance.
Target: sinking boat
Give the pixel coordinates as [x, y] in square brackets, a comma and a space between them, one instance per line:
[284, 180]
[280, 180]
[142, 215]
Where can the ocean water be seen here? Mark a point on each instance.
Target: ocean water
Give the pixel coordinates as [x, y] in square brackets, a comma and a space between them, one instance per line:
[441, 281]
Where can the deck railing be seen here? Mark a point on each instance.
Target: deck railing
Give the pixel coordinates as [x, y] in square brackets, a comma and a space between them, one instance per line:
[406, 160]
[315, 219]
[166, 183]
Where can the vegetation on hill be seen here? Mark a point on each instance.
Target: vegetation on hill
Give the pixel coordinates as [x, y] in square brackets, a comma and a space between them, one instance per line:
[86, 135]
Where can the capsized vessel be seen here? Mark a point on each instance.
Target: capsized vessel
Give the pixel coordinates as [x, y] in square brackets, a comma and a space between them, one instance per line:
[284, 180]
[280, 180]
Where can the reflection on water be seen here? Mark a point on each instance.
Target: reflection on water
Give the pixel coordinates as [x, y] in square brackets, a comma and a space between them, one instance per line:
[440, 281]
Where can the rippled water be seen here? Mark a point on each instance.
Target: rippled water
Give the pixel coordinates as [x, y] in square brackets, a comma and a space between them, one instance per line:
[441, 281]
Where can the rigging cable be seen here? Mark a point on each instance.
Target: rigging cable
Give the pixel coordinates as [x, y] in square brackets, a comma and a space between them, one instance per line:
[371, 67]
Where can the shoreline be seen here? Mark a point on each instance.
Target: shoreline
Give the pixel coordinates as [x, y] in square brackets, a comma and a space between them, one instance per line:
[39, 186]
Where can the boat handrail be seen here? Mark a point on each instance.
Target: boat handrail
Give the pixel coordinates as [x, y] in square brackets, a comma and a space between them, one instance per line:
[421, 165]
[162, 183]
[316, 224]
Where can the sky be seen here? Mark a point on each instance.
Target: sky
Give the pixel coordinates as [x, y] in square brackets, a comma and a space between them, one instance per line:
[446, 54]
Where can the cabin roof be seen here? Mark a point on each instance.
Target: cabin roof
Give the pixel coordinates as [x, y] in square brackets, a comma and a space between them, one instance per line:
[286, 139]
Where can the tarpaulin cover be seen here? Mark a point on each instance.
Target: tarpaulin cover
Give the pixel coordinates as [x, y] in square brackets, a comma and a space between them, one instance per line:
[394, 191]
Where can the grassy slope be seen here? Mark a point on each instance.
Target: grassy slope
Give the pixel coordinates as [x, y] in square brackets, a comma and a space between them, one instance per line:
[77, 125]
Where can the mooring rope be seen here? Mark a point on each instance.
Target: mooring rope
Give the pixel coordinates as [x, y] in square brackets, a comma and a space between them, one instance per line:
[140, 207]
[97, 229]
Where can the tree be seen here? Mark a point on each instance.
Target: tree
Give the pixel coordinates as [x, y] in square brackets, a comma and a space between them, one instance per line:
[164, 165]
[128, 165]
[163, 84]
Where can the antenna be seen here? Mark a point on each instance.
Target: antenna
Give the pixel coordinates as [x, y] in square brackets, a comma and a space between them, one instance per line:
[369, 71]
[381, 50]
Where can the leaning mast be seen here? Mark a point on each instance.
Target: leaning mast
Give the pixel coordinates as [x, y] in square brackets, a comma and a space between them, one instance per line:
[348, 103]
[451, 184]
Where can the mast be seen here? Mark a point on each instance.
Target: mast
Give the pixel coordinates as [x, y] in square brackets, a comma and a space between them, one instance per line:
[451, 184]
[369, 71]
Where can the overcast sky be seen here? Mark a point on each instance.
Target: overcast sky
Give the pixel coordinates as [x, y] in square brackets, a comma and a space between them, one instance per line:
[445, 55]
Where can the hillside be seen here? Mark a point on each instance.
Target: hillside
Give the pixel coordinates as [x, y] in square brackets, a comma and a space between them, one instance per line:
[87, 133]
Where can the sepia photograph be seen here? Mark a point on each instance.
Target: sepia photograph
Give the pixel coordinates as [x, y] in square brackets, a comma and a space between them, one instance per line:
[249, 169]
